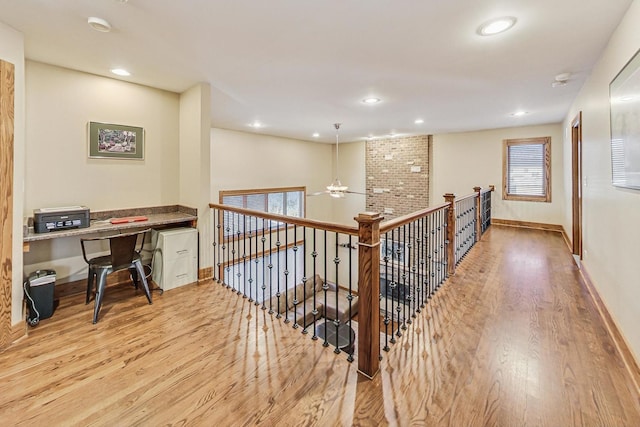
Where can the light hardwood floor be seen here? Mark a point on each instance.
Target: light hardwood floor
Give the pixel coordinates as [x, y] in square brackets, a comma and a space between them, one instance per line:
[512, 339]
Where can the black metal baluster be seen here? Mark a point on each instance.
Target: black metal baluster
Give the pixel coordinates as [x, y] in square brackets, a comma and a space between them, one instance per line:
[393, 286]
[233, 252]
[263, 239]
[314, 254]
[215, 243]
[278, 293]
[228, 236]
[336, 321]
[386, 300]
[412, 277]
[399, 274]
[350, 299]
[325, 288]
[406, 251]
[295, 277]
[304, 280]
[251, 230]
[244, 256]
[286, 273]
[270, 267]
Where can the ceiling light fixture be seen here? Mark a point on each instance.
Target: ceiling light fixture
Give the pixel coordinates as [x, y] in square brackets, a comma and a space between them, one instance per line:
[496, 26]
[519, 113]
[371, 100]
[255, 124]
[419, 121]
[99, 24]
[120, 72]
[316, 135]
[561, 80]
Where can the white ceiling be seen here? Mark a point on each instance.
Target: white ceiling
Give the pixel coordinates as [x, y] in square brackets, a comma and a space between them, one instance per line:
[298, 66]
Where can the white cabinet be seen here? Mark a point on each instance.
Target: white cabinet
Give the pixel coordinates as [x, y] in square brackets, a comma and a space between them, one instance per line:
[175, 257]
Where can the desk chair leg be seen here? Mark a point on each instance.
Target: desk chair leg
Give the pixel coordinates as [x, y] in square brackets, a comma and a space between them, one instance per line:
[141, 275]
[102, 282]
[134, 276]
[90, 280]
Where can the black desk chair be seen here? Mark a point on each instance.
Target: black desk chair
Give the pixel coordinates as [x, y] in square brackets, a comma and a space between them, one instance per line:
[124, 255]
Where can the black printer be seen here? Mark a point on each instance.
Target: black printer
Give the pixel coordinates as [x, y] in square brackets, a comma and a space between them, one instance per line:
[63, 218]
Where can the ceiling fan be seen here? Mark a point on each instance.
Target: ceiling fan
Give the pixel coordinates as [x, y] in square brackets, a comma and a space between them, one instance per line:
[336, 189]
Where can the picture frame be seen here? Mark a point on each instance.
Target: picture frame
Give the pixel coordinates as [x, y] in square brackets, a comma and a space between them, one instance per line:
[113, 141]
[624, 100]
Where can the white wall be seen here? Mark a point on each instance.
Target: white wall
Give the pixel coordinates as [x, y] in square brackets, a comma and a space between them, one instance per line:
[241, 160]
[462, 161]
[610, 215]
[195, 164]
[59, 104]
[12, 50]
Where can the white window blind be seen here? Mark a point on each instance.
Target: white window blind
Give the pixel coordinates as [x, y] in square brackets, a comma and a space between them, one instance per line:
[526, 170]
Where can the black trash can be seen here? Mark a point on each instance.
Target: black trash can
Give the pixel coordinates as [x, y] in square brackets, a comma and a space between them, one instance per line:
[38, 290]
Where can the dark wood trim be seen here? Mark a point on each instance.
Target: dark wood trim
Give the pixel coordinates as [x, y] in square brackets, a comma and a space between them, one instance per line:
[565, 236]
[630, 362]
[451, 233]
[369, 289]
[576, 184]
[526, 224]
[6, 199]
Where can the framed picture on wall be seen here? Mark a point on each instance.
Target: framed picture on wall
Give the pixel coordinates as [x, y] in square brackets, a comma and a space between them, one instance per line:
[111, 141]
[624, 98]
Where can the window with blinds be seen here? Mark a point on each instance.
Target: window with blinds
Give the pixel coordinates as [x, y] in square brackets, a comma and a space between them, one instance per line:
[283, 201]
[527, 169]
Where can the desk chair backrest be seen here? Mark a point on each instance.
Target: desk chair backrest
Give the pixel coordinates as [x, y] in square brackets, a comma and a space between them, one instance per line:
[122, 247]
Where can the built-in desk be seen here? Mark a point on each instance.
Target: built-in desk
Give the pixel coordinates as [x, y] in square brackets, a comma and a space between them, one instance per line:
[159, 216]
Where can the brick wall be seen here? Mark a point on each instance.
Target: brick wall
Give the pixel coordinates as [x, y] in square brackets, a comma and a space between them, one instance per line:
[398, 175]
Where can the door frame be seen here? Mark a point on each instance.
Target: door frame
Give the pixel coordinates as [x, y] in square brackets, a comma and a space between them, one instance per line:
[576, 184]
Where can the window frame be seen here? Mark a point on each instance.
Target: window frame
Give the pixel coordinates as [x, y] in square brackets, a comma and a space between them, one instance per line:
[546, 143]
[264, 191]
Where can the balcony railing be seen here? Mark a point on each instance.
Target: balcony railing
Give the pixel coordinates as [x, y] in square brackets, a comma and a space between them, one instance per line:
[356, 288]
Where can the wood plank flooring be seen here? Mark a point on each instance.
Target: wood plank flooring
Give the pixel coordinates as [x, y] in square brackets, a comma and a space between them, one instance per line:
[512, 339]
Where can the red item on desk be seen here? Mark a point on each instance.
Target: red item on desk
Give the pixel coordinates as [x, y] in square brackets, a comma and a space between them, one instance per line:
[128, 219]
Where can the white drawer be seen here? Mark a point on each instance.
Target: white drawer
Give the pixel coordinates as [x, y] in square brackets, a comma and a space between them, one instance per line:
[178, 272]
[178, 244]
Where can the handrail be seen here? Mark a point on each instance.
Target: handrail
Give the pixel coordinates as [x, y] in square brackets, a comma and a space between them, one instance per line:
[469, 196]
[302, 222]
[406, 219]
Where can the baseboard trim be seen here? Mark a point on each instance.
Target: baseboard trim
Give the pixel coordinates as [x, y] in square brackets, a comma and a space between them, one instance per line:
[628, 358]
[205, 274]
[527, 224]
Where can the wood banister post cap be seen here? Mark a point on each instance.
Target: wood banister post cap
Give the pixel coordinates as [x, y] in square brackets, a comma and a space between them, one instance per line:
[492, 187]
[449, 197]
[477, 189]
[369, 217]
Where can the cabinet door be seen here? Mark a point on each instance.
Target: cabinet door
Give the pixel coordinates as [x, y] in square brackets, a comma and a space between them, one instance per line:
[178, 272]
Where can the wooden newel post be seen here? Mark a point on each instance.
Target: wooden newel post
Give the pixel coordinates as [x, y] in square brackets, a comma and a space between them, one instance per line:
[478, 212]
[451, 233]
[369, 293]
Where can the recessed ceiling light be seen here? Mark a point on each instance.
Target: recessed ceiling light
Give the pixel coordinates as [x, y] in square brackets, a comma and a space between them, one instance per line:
[371, 100]
[99, 24]
[496, 26]
[255, 124]
[120, 72]
[316, 135]
[519, 113]
[419, 121]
